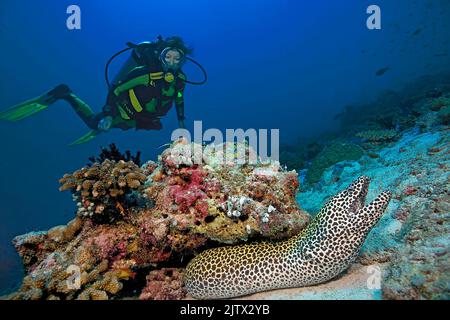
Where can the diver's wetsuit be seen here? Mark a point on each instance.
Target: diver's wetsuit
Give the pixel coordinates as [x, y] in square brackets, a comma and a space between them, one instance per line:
[144, 97]
[138, 101]
[138, 107]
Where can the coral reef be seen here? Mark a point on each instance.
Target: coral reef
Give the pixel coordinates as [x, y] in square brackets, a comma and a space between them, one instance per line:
[102, 191]
[399, 110]
[420, 268]
[412, 237]
[137, 225]
[164, 284]
[132, 220]
[444, 115]
[225, 202]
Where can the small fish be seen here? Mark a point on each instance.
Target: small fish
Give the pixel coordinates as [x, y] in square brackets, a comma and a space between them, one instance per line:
[120, 208]
[381, 71]
[417, 32]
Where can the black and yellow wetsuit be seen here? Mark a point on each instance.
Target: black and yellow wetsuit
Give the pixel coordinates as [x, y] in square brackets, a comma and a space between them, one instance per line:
[137, 102]
[144, 97]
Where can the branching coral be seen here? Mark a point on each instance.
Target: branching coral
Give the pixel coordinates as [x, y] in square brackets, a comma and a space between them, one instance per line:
[101, 190]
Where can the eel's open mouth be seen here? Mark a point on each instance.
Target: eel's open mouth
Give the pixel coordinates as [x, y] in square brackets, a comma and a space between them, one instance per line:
[358, 193]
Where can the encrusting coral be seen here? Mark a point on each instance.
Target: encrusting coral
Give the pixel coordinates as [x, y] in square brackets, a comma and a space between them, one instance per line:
[133, 220]
[164, 284]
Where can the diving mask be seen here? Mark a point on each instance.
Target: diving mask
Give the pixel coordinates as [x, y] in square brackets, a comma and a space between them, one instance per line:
[172, 58]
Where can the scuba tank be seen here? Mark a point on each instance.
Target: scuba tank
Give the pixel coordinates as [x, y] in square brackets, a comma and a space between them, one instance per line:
[144, 53]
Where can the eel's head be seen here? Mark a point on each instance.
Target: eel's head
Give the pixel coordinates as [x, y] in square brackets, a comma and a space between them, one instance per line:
[347, 213]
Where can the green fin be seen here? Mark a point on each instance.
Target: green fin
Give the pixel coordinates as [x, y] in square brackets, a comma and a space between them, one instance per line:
[23, 110]
[86, 138]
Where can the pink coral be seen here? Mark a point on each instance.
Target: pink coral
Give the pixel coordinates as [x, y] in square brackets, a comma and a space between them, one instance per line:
[191, 190]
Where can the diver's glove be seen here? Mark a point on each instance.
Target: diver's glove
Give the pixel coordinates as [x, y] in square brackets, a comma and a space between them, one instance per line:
[105, 123]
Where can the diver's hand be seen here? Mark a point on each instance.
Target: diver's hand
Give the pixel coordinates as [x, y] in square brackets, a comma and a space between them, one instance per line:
[181, 124]
[105, 123]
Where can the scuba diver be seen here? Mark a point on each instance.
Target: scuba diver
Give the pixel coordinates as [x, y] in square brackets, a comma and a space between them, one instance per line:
[144, 90]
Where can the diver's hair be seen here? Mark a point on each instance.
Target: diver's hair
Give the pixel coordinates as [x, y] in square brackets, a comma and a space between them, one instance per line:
[177, 42]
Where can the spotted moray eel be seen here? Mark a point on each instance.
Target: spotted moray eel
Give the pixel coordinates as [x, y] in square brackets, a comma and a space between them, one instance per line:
[324, 249]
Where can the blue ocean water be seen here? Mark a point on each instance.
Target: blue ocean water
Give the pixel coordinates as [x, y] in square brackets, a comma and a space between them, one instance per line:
[284, 64]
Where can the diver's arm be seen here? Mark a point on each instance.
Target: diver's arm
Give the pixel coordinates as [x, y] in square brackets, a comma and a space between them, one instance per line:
[179, 104]
[105, 118]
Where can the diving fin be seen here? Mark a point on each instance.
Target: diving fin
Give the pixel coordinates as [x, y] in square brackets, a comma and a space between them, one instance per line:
[33, 106]
[23, 110]
[86, 138]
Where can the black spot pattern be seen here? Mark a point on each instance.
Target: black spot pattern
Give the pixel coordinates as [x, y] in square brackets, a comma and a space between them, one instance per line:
[329, 244]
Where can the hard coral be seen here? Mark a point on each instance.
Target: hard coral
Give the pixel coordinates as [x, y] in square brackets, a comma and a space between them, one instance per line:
[101, 190]
[223, 199]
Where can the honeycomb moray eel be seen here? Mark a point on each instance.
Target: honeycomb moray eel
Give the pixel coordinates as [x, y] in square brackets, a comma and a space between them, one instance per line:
[324, 249]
